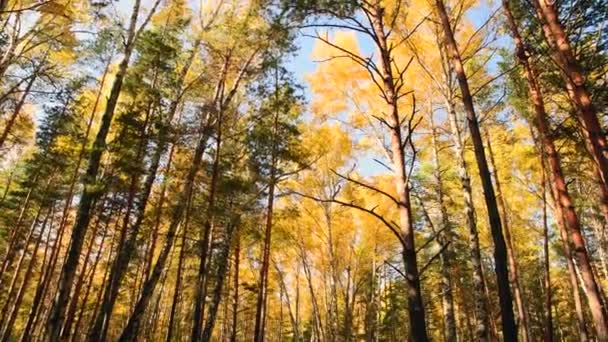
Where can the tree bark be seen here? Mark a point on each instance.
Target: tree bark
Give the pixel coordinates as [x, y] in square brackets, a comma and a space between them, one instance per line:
[67, 327]
[178, 276]
[235, 298]
[509, 328]
[417, 318]
[445, 239]
[548, 328]
[564, 207]
[260, 313]
[89, 283]
[12, 313]
[575, 83]
[89, 194]
[222, 269]
[205, 236]
[15, 114]
[482, 316]
[522, 312]
[130, 331]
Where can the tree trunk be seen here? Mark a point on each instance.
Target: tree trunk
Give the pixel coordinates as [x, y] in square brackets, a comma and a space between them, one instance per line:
[67, 327]
[548, 328]
[178, 276]
[509, 328]
[260, 313]
[445, 239]
[417, 318]
[126, 240]
[575, 83]
[89, 194]
[130, 331]
[522, 313]
[222, 269]
[205, 236]
[90, 279]
[235, 298]
[564, 207]
[15, 114]
[482, 316]
[12, 314]
[220, 102]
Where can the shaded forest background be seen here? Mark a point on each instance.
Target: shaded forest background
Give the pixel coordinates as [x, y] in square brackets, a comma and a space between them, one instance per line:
[167, 174]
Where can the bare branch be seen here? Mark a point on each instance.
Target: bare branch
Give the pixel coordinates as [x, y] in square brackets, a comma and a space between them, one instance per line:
[391, 226]
[367, 186]
[433, 258]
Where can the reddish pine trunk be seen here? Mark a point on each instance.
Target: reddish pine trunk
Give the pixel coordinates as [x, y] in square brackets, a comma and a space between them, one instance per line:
[564, 207]
[575, 84]
[548, 328]
[417, 318]
[260, 313]
[67, 327]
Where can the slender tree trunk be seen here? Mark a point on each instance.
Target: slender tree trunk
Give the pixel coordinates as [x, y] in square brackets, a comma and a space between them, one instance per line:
[27, 276]
[509, 328]
[445, 239]
[89, 194]
[9, 254]
[45, 261]
[548, 328]
[260, 313]
[564, 207]
[178, 276]
[90, 280]
[125, 244]
[522, 313]
[222, 269]
[482, 316]
[205, 237]
[130, 331]
[235, 298]
[106, 275]
[417, 318]
[317, 324]
[284, 293]
[158, 212]
[15, 114]
[575, 83]
[67, 327]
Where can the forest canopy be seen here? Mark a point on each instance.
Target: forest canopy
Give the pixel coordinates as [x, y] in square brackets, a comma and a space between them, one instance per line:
[303, 170]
